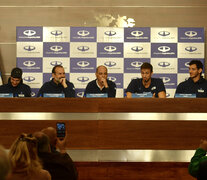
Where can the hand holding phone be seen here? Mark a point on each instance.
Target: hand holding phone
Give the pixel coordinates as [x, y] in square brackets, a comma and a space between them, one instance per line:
[60, 127]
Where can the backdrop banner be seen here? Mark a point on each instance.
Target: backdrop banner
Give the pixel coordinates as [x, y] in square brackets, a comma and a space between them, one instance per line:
[122, 50]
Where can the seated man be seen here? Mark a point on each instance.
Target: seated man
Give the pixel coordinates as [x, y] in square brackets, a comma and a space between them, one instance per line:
[58, 84]
[60, 165]
[198, 165]
[101, 84]
[146, 83]
[195, 84]
[15, 85]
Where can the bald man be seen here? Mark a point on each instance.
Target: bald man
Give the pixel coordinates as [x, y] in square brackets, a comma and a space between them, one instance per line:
[101, 84]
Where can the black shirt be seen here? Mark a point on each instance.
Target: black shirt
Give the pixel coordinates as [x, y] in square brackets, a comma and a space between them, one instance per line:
[21, 90]
[92, 88]
[52, 87]
[189, 87]
[136, 86]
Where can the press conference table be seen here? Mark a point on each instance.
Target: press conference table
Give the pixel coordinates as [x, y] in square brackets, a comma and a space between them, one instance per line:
[112, 124]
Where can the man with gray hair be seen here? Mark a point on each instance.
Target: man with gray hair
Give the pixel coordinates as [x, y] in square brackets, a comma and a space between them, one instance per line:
[4, 164]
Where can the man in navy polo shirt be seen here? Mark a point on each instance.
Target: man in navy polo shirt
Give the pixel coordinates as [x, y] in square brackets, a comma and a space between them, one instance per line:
[195, 84]
[58, 84]
[101, 84]
[146, 83]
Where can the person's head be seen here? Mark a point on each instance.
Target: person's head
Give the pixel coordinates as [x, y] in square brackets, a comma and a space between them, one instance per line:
[43, 143]
[4, 164]
[58, 73]
[23, 153]
[195, 68]
[146, 71]
[52, 135]
[16, 76]
[101, 72]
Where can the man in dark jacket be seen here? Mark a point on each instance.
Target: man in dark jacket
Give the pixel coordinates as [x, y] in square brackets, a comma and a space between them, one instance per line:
[15, 85]
[58, 84]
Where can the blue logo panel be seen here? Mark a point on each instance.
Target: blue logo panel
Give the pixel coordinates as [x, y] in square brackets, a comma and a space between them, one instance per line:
[30, 64]
[136, 34]
[164, 50]
[28, 34]
[83, 65]
[191, 35]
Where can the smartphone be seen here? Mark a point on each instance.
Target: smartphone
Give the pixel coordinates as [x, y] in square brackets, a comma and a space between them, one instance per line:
[60, 126]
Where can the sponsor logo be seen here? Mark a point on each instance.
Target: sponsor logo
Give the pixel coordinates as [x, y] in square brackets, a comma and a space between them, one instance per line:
[29, 63]
[83, 48]
[165, 79]
[187, 64]
[80, 94]
[110, 33]
[83, 33]
[55, 63]
[29, 33]
[167, 94]
[110, 63]
[83, 63]
[164, 49]
[190, 49]
[191, 33]
[164, 64]
[110, 48]
[137, 48]
[136, 64]
[29, 48]
[56, 48]
[33, 94]
[29, 78]
[82, 79]
[56, 33]
[164, 33]
[137, 33]
[112, 79]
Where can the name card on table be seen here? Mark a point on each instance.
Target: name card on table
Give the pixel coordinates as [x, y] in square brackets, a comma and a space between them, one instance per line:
[6, 95]
[54, 95]
[177, 95]
[142, 95]
[100, 95]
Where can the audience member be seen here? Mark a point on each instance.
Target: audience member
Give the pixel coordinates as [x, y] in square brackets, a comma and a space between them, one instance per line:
[24, 160]
[59, 165]
[4, 164]
[198, 165]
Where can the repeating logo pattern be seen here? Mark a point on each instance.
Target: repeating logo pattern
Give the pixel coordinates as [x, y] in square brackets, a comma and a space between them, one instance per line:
[122, 50]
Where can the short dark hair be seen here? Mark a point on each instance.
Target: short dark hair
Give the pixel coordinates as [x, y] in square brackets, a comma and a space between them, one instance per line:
[42, 142]
[54, 68]
[198, 64]
[147, 66]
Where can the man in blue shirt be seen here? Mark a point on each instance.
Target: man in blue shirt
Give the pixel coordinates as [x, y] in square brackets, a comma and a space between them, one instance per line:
[146, 83]
[15, 85]
[58, 84]
[101, 84]
[195, 84]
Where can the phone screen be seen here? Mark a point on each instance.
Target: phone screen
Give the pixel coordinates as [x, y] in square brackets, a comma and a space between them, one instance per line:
[60, 129]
